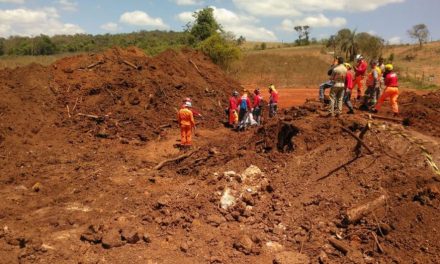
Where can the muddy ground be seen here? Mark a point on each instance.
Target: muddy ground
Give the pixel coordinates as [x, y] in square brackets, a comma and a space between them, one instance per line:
[79, 183]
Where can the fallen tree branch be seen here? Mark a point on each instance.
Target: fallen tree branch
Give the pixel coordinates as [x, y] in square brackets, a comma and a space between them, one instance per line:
[379, 247]
[131, 65]
[74, 106]
[89, 116]
[165, 126]
[181, 157]
[340, 245]
[357, 148]
[95, 64]
[355, 214]
[358, 139]
[68, 111]
[386, 118]
[195, 66]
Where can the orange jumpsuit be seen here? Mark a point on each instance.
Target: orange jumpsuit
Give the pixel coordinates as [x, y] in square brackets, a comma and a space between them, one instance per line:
[391, 91]
[360, 70]
[186, 122]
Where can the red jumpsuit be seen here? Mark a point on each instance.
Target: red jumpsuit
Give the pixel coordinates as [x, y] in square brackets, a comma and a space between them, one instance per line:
[233, 115]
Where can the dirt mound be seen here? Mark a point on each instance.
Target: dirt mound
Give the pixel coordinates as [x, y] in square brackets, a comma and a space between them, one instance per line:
[299, 188]
[422, 110]
[125, 94]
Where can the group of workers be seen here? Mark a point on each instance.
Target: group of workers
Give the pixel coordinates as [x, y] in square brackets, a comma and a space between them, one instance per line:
[380, 80]
[242, 112]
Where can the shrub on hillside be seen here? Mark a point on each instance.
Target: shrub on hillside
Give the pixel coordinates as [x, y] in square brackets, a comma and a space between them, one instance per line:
[221, 50]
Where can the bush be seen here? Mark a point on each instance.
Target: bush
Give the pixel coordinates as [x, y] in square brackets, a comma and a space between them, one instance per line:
[222, 51]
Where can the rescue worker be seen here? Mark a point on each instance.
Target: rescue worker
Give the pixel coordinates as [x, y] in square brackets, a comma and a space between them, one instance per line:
[233, 109]
[186, 122]
[381, 66]
[391, 90]
[337, 91]
[327, 84]
[372, 83]
[359, 76]
[348, 88]
[244, 105]
[273, 101]
[257, 106]
[194, 111]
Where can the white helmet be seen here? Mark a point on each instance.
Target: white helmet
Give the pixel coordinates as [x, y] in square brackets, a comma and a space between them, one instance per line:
[188, 104]
[359, 57]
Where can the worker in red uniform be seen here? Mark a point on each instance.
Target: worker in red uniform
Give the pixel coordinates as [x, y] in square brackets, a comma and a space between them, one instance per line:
[257, 106]
[360, 70]
[194, 111]
[186, 122]
[273, 101]
[348, 88]
[244, 104]
[391, 90]
[233, 109]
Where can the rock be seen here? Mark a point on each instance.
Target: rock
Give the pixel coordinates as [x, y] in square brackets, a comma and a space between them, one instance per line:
[251, 172]
[244, 244]
[163, 201]
[290, 257]
[227, 199]
[229, 175]
[215, 220]
[273, 247]
[184, 247]
[37, 187]
[146, 238]
[93, 234]
[248, 198]
[112, 239]
[130, 235]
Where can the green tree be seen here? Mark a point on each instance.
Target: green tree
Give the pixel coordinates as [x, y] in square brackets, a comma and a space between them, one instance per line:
[371, 46]
[419, 32]
[204, 25]
[221, 50]
[346, 41]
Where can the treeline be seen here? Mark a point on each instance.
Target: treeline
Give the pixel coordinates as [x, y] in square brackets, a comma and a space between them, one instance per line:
[153, 42]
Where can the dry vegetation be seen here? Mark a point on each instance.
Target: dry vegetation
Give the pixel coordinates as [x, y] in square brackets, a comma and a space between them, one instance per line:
[18, 61]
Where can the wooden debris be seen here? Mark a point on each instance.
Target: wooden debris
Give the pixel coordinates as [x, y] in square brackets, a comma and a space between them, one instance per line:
[181, 157]
[74, 106]
[195, 66]
[357, 148]
[355, 214]
[68, 111]
[131, 65]
[340, 245]
[358, 139]
[89, 116]
[165, 126]
[399, 120]
[379, 247]
[95, 64]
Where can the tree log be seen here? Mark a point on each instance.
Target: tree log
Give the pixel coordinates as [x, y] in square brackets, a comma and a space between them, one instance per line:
[181, 157]
[131, 65]
[387, 118]
[340, 245]
[355, 214]
[358, 139]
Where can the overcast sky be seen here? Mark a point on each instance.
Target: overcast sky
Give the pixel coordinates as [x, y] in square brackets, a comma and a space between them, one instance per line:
[263, 20]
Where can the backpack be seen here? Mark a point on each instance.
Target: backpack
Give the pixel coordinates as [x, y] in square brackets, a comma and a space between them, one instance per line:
[243, 104]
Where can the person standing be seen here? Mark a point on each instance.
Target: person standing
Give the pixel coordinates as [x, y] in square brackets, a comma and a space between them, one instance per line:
[273, 101]
[359, 76]
[186, 122]
[233, 109]
[244, 105]
[372, 83]
[337, 91]
[257, 106]
[391, 91]
[348, 88]
[327, 84]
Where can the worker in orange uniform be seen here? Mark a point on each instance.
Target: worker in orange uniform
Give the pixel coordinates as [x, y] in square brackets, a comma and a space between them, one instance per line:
[273, 101]
[391, 91]
[194, 111]
[233, 109]
[186, 122]
[359, 69]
